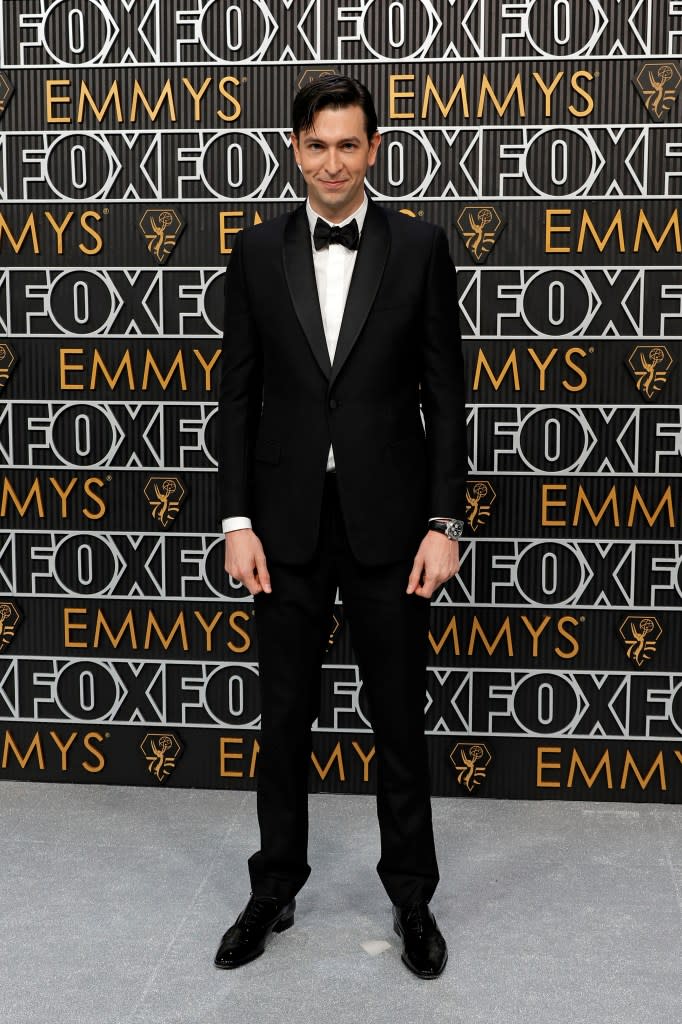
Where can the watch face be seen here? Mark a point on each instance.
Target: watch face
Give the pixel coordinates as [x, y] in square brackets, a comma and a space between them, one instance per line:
[454, 529]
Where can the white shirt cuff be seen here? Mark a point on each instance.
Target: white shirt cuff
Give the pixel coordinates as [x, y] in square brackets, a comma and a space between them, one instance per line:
[236, 523]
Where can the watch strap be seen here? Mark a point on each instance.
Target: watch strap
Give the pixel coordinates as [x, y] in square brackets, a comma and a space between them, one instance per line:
[452, 528]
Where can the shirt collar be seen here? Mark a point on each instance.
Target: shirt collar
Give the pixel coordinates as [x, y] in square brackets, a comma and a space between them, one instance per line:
[359, 215]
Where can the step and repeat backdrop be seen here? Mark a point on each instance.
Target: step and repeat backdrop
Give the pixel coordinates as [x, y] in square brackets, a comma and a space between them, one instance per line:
[137, 137]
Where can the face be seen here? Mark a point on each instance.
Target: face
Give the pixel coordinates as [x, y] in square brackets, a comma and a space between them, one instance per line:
[334, 156]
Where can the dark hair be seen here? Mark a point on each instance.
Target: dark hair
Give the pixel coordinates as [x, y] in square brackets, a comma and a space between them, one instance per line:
[332, 91]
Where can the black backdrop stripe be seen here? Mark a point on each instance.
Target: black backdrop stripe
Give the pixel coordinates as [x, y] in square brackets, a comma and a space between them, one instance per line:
[546, 139]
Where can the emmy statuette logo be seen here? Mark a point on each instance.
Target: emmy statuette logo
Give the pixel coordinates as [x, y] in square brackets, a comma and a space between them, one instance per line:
[161, 230]
[471, 761]
[658, 84]
[480, 227]
[161, 751]
[640, 634]
[10, 619]
[165, 495]
[8, 361]
[310, 75]
[480, 496]
[650, 366]
[6, 92]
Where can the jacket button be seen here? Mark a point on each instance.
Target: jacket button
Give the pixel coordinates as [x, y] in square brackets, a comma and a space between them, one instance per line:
[333, 404]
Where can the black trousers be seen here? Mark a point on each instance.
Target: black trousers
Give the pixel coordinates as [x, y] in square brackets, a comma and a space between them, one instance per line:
[389, 633]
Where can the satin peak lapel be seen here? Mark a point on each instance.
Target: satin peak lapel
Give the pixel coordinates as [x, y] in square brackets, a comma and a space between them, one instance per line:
[300, 276]
[367, 273]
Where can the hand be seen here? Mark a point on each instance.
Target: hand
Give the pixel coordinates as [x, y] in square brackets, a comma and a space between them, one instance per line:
[436, 561]
[245, 560]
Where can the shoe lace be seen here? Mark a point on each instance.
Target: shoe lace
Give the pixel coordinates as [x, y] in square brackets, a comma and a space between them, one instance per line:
[256, 909]
[417, 917]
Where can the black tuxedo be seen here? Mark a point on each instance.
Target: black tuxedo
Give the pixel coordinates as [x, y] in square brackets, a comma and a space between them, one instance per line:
[282, 403]
[400, 330]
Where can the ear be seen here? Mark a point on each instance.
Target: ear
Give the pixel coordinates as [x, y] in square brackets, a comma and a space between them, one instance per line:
[297, 151]
[374, 144]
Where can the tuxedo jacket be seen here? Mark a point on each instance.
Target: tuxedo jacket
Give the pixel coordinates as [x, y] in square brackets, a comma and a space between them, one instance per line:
[391, 405]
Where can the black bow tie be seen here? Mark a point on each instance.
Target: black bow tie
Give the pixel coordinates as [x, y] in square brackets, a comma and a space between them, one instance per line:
[330, 234]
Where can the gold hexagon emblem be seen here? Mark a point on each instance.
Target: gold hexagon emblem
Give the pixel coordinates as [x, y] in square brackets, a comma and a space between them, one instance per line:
[658, 84]
[161, 230]
[480, 227]
[8, 360]
[161, 751]
[10, 620]
[310, 75]
[640, 634]
[650, 365]
[6, 92]
[166, 495]
[480, 495]
[471, 762]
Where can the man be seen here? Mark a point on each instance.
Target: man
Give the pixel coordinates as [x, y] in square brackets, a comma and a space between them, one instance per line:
[340, 330]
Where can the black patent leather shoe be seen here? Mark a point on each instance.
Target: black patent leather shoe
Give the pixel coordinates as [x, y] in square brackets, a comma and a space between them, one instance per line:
[246, 939]
[424, 949]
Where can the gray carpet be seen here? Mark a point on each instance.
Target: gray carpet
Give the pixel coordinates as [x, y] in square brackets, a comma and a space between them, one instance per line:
[114, 900]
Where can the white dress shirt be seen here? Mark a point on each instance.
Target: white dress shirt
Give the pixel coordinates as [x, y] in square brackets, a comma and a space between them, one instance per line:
[333, 271]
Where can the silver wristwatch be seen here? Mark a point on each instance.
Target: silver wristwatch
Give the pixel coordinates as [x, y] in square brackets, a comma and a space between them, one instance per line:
[452, 528]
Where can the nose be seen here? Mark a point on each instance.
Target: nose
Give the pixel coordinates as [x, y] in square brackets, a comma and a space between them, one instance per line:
[333, 162]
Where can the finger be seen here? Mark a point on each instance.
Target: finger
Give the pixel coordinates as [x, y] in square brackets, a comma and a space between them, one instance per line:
[415, 576]
[262, 573]
[247, 579]
[251, 582]
[242, 572]
[429, 584]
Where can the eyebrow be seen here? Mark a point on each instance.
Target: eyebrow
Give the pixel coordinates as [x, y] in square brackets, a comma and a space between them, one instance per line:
[341, 142]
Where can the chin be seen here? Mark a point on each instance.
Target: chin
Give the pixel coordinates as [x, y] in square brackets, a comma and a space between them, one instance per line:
[333, 198]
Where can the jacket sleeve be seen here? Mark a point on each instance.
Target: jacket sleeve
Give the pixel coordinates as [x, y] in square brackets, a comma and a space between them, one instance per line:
[240, 392]
[443, 386]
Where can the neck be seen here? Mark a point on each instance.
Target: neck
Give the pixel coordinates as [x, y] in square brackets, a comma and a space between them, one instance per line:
[332, 217]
